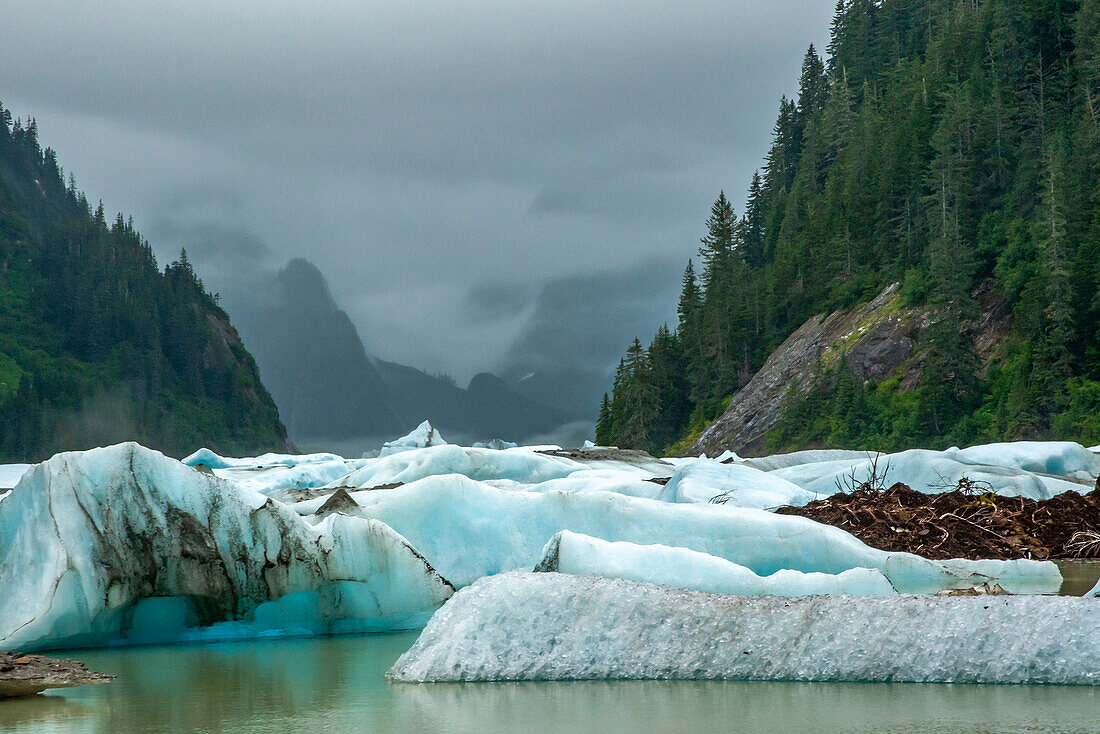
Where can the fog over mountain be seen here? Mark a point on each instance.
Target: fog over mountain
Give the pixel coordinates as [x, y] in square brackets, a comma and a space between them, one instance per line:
[457, 172]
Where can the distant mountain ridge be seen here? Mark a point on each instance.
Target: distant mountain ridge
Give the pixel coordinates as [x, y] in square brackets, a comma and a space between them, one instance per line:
[329, 389]
[97, 344]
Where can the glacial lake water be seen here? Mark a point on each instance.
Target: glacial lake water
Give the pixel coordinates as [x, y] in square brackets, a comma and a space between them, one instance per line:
[336, 684]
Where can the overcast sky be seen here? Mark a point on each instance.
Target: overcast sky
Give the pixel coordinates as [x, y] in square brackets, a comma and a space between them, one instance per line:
[440, 162]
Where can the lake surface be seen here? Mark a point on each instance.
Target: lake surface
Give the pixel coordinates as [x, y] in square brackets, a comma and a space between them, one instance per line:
[336, 684]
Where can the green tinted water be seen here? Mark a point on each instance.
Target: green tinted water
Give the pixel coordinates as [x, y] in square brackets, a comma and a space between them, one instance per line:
[336, 684]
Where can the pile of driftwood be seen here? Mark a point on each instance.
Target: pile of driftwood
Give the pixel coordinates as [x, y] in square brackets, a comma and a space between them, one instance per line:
[964, 523]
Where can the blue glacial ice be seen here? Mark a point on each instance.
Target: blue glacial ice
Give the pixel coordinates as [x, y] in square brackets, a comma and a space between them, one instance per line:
[208, 458]
[467, 530]
[687, 569]
[735, 484]
[547, 626]
[125, 544]
[516, 465]
[933, 472]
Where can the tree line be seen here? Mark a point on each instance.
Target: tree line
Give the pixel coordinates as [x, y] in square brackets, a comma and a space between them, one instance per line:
[97, 343]
[947, 145]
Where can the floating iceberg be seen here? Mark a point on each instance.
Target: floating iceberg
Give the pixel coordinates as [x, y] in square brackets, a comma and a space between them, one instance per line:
[467, 530]
[524, 626]
[498, 444]
[420, 437]
[687, 569]
[271, 472]
[208, 458]
[517, 465]
[737, 485]
[123, 543]
[600, 480]
[1060, 458]
[926, 471]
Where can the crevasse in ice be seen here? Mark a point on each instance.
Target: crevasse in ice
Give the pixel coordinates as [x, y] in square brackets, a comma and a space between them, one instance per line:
[123, 543]
[687, 569]
[546, 626]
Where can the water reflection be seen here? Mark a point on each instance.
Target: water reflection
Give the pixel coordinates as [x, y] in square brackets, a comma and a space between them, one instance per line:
[336, 684]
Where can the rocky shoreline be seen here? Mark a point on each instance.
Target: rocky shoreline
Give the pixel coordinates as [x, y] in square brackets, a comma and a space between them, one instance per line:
[26, 675]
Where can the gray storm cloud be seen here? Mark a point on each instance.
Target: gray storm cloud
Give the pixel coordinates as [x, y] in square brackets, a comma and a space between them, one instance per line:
[416, 151]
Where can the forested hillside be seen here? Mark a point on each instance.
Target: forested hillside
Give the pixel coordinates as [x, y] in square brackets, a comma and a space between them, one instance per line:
[951, 146]
[97, 344]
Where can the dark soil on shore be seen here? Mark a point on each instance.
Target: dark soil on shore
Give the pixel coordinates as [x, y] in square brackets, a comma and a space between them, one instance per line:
[958, 524]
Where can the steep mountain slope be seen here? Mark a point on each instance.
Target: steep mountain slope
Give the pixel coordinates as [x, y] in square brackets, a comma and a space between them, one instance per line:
[487, 408]
[313, 362]
[329, 389]
[97, 345]
[951, 147]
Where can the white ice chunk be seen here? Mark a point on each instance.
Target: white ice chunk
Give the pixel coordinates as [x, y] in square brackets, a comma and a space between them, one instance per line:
[926, 471]
[300, 476]
[687, 569]
[1061, 458]
[420, 437]
[524, 626]
[10, 474]
[799, 458]
[703, 480]
[520, 465]
[87, 539]
[600, 480]
[467, 530]
[208, 458]
[496, 444]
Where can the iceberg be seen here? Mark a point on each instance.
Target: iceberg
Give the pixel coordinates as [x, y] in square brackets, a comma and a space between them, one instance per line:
[926, 471]
[498, 444]
[687, 569]
[738, 485]
[208, 458]
[467, 530]
[1059, 458]
[299, 477]
[123, 544]
[545, 626]
[516, 465]
[598, 480]
[811, 456]
[420, 437]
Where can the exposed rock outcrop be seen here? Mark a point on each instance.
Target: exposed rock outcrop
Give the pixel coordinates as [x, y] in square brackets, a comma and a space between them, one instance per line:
[878, 339]
[26, 675]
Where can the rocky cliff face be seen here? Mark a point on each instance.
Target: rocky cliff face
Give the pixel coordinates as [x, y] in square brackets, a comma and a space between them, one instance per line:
[879, 340]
